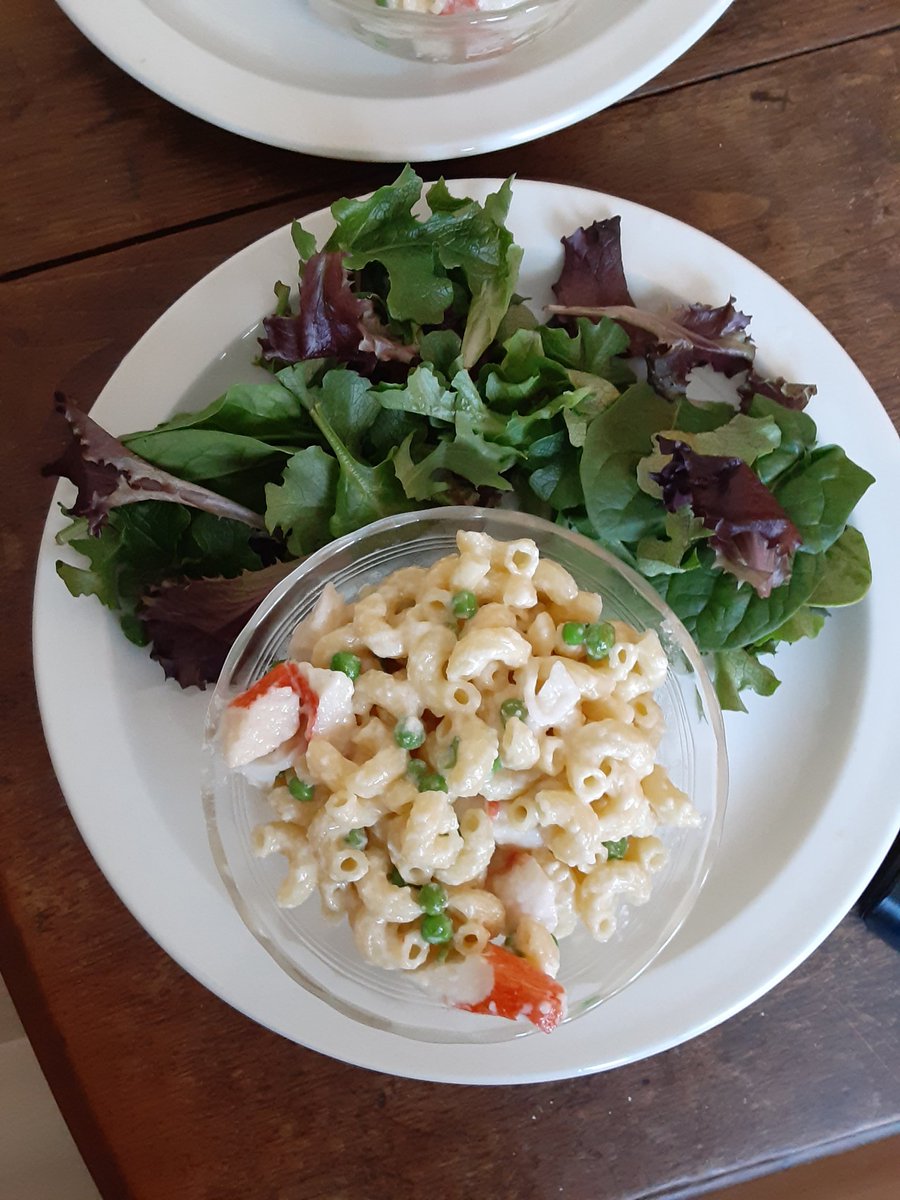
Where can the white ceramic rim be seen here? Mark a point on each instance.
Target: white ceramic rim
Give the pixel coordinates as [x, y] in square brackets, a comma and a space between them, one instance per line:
[703, 982]
[506, 112]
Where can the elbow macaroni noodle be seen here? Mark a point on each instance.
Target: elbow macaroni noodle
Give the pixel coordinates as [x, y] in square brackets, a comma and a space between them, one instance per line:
[529, 754]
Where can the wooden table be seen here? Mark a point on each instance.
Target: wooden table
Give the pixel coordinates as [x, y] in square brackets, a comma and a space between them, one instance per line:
[774, 134]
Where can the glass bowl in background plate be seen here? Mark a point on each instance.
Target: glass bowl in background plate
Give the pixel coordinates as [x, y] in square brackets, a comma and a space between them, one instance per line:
[449, 37]
[318, 953]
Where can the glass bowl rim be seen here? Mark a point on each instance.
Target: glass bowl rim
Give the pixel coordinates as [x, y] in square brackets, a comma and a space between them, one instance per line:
[449, 21]
[527, 522]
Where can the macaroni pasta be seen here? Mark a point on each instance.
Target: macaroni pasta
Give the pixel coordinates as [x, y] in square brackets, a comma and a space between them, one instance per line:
[489, 773]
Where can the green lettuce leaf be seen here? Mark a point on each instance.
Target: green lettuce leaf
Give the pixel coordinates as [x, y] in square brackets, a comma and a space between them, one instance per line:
[302, 505]
[737, 670]
[142, 544]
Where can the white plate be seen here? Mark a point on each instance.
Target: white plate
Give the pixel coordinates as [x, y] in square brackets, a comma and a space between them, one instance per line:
[811, 814]
[272, 71]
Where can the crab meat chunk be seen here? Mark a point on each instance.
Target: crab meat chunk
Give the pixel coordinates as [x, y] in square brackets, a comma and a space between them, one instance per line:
[333, 692]
[553, 701]
[255, 730]
[290, 700]
[525, 890]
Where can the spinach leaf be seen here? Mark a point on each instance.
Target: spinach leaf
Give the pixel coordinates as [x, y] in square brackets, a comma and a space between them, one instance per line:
[391, 427]
[692, 417]
[200, 455]
[805, 622]
[268, 411]
[736, 616]
[820, 494]
[798, 434]
[558, 483]
[848, 572]
[615, 442]
[689, 592]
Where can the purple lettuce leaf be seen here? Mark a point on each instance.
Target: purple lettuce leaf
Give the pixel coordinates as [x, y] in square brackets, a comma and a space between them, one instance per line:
[592, 274]
[708, 336]
[593, 277]
[593, 284]
[754, 538]
[791, 395]
[108, 475]
[192, 624]
[331, 322]
[691, 337]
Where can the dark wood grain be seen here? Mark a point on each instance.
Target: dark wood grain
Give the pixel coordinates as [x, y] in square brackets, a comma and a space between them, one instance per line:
[868, 1172]
[172, 1095]
[131, 164]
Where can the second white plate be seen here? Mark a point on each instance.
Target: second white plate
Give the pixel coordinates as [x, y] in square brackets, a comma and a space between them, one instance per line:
[811, 812]
[274, 72]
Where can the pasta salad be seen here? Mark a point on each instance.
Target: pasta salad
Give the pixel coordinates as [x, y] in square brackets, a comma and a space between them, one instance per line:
[462, 762]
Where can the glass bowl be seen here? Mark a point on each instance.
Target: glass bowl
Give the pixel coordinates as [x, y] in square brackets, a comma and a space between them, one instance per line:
[450, 37]
[319, 954]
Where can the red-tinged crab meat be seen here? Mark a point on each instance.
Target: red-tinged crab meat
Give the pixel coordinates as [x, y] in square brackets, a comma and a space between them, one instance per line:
[285, 674]
[291, 703]
[520, 990]
[263, 718]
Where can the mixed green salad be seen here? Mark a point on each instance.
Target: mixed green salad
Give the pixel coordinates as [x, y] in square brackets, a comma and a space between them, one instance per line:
[408, 373]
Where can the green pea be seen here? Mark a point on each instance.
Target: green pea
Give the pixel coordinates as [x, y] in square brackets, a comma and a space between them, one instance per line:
[415, 769]
[464, 604]
[437, 928]
[345, 662]
[432, 782]
[573, 633]
[300, 789]
[617, 849]
[357, 839]
[397, 879]
[497, 765]
[409, 734]
[433, 899]
[513, 708]
[450, 755]
[599, 639]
